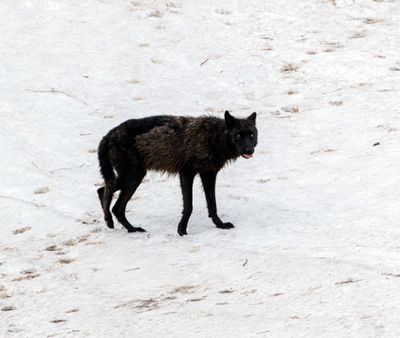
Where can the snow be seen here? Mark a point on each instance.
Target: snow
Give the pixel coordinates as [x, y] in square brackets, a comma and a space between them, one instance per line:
[315, 251]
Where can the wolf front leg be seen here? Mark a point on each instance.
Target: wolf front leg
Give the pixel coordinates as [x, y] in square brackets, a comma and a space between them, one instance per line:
[208, 179]
[186, 178]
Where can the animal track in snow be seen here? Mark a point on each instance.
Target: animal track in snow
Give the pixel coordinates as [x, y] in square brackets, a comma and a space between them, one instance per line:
[66, 260]
[41, 190]
[173, 5]
[324, 150]
[21, 230]
[358, 35]
[332, 46]
[223, 11]
[289, 68]
[372, 21]
[26, 276]
[8, 308]
[292, 108]
[153, 303]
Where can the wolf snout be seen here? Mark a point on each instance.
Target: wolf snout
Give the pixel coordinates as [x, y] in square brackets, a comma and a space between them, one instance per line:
[248, 153]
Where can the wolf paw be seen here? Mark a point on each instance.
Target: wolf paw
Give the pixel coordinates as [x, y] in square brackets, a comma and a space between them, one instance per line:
[182, 231]
[227, 225]
[110, 223]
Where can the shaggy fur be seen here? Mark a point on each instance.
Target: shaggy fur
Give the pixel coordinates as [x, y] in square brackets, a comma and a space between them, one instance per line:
[176, 145]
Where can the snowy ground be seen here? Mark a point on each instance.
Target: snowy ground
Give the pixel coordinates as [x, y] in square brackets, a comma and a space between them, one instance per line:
[316, 249]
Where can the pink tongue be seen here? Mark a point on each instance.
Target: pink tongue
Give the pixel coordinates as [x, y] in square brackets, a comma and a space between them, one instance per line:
[247, 156]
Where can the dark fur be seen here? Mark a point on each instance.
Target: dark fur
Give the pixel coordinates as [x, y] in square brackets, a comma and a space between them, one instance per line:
[173, 144]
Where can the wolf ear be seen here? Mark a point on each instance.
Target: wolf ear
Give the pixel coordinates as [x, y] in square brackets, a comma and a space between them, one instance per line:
[229, 120]
[252, 117]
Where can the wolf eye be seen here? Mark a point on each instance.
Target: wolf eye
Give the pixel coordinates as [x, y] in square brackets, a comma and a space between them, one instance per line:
[251, 135]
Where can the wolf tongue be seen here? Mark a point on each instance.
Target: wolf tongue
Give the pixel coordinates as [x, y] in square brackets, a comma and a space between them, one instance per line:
[247, 156]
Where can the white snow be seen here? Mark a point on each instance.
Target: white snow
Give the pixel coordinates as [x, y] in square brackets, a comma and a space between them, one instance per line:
[315, 251]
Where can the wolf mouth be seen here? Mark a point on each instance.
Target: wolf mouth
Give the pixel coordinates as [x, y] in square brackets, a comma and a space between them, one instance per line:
[247, 156]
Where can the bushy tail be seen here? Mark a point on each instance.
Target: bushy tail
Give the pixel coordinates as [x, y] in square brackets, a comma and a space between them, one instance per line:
[106, 168]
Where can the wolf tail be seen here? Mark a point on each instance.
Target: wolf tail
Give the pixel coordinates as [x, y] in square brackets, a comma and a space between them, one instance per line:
[106, 168]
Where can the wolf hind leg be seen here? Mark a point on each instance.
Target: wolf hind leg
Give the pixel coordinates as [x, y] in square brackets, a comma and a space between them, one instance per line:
[128, 183]
[105, 196]
[107, 215]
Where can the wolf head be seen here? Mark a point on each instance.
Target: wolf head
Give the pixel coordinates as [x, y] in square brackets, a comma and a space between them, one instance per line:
[242, 133]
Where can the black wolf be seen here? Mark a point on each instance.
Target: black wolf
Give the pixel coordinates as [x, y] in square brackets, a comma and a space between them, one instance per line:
[173, 144]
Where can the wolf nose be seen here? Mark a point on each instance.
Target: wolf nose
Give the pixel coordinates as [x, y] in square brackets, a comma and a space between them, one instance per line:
[249, 151]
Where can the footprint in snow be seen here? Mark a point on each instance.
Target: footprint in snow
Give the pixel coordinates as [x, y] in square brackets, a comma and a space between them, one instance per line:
[358, 35]
[173, 5]
[41, 190]
[292, 108]
[21, 230]
[336, 103]
[66, 260]
[58, 321]
[8, 308]
[372, 21]
[289, 68]
[223, 11]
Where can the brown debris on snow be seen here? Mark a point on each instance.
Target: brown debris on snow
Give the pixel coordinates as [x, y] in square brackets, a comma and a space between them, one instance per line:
[21, 230]
[25, 277]
[348, 281]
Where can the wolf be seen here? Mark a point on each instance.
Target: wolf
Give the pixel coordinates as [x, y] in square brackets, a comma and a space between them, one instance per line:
[175, 145]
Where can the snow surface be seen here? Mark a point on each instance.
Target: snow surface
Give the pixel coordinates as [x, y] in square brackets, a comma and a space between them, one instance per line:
[315, 251]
